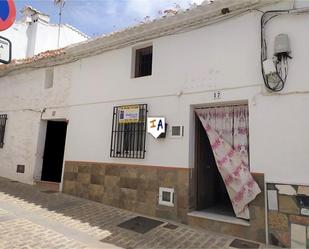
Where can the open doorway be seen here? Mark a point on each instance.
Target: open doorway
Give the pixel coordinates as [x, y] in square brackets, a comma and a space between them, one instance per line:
[211, 193]
[54, 151]
[231, 124]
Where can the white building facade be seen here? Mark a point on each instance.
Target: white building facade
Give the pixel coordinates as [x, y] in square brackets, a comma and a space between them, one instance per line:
[34, 34]
[206, 57]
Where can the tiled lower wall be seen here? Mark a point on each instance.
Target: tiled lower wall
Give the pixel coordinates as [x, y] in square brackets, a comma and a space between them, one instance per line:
[136, 188]
[288, 215]
[130, 187]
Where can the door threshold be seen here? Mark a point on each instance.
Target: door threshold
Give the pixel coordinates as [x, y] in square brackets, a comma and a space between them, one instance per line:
[204, 214]
[47, 185]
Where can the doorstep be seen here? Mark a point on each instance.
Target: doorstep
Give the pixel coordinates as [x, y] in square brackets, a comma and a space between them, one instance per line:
[46, 185]
[219, 217]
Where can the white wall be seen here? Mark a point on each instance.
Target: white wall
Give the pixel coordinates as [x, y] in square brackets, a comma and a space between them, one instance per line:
[23, 98]
[31, 38]
[18, 35]
[47, 37]
[223, 56]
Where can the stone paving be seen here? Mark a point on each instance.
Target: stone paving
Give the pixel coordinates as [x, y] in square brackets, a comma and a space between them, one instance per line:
[32, 218]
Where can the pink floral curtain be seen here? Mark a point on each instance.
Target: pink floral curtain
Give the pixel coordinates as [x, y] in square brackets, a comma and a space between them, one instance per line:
[227, 130]
[232, 124]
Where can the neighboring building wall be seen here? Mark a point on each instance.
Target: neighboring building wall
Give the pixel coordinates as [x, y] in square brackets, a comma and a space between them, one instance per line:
[288, 215]
[34, 34]
[46, 37]
[26, 125]
[18, 34]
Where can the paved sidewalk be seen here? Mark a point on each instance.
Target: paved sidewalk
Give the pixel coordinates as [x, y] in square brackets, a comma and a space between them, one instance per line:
[32, 218]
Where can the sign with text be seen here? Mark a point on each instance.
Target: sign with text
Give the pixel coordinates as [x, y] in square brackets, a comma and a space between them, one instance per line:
[128, 114]
[7, 14]
[155, 126]
[5, 50]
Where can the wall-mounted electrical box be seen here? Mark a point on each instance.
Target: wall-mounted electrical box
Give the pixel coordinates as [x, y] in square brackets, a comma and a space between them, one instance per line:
[282, 44]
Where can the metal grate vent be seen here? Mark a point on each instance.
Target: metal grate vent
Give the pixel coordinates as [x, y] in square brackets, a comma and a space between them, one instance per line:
[140, 224]
[166, 196]
[177, 131]
[129, 131]
[20, 168]
[243, 244]
[3, 119]
[170, 226]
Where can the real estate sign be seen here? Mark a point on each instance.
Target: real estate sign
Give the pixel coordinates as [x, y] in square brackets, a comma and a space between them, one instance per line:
[156, 126]
[128, 114]
[5, 50]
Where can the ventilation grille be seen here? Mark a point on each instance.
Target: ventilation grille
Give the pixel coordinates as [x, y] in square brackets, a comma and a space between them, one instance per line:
[177, 131]
[20, 168]
[166, 196]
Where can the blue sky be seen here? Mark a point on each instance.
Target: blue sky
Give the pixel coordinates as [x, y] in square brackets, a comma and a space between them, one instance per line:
[95, 17]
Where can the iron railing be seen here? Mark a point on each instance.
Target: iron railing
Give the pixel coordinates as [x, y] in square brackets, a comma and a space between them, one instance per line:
[3, 119]
[128, 138]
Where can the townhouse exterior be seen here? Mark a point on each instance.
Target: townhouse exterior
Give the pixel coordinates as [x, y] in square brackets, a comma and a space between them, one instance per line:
[64, 118]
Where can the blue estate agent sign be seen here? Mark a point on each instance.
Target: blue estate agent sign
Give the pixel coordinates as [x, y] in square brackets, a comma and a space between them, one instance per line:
[5, 50]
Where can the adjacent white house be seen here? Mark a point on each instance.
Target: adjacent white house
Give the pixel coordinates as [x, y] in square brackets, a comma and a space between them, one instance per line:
[34, 34]
[78, 116]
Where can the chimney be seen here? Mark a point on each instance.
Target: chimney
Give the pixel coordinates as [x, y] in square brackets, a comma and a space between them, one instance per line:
[30, 14]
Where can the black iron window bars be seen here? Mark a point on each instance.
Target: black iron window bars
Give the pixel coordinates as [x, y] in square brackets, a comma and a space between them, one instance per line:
[3, 119]
[129, 136]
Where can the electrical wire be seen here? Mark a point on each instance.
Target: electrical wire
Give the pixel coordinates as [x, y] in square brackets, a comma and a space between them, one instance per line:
[274, 82]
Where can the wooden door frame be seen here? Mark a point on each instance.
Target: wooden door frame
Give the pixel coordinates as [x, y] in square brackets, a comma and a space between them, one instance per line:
[193, 174]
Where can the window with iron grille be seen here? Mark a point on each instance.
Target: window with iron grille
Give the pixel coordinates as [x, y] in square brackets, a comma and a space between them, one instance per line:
[129, 131]
[3, 119]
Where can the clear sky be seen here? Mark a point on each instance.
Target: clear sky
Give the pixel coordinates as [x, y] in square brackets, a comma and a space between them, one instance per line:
[96, 17]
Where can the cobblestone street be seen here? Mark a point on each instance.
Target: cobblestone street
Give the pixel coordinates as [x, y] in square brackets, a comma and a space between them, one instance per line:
[33, 218]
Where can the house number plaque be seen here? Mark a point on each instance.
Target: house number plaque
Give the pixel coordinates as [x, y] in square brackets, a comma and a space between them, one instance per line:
[217, 95]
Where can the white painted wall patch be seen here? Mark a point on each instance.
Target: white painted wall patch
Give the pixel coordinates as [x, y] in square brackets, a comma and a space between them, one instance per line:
[304, 211]
[303, 190]
[286, 189]
[272, 200]
[298, 236]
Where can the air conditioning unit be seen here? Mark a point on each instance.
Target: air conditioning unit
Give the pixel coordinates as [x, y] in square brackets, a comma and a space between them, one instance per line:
[176, 131]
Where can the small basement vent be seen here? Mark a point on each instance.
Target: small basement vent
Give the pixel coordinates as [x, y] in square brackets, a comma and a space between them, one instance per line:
[166, 196]
[20, 168]
[177, 131]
